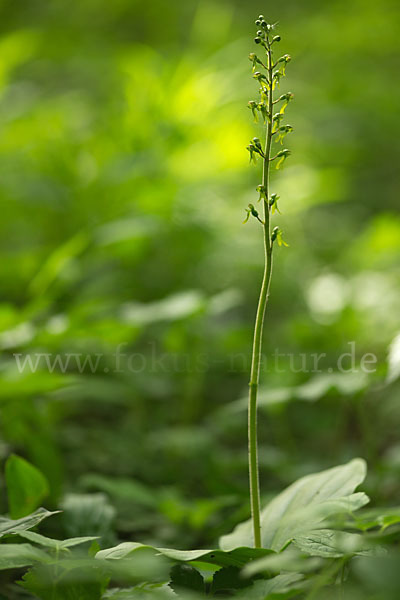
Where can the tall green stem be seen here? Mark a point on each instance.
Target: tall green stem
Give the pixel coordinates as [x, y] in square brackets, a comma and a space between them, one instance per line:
[258, 328]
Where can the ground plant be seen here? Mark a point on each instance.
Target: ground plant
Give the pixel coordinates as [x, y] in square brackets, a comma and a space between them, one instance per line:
[105, 498]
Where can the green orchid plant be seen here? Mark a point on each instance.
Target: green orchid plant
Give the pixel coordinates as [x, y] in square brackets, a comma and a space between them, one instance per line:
[271, 112]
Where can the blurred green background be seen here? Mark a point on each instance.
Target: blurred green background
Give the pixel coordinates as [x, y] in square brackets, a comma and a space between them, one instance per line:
[123, 183]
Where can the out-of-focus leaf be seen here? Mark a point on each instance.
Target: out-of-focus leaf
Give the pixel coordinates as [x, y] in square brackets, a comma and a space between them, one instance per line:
[174, 307]
[121, 488]
[290, 560]
[377, 517]
[273, 588]
[9, 526]
[237, 557]
[394, 360]
[380, 575]
[319, 386]
[52, 582]
[141, 592]
[16, 48]
[227, 580]
[328, 543]
[304, 506]
[186, 577]
[26, 486]
[57, 262]
[42, 540]
[88, 515]
[16, 556]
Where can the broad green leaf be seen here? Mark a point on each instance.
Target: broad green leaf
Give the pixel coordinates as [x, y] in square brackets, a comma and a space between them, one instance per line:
[328, 543]
[304, 506]
[9, 526]
[26, 486]
[15, 556]
[56, 544]
[237, 557]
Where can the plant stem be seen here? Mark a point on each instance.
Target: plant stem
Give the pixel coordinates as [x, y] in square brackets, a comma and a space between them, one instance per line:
[258, 329]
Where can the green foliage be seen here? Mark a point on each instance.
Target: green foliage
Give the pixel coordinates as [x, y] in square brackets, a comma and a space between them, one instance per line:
[123, 180]
[26, 487]
[305, 507]
[16, 556]
[186, 577]
[47, 582]
[10, 526]
[237, 557]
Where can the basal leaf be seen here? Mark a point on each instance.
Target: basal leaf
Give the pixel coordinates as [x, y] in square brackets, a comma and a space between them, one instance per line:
[304, 506]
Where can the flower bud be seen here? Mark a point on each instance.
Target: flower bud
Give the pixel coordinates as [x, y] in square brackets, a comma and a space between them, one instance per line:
[276, 38]
[260, 33]
[274, 233]
[257, 40]
[253, 210]
[258, 22]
